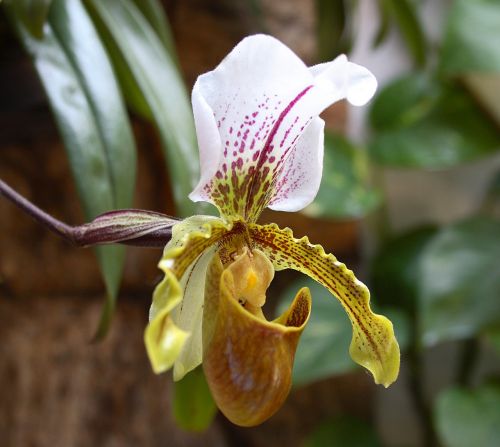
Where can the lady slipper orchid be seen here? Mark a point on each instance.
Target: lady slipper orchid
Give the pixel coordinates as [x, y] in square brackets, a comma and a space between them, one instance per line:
[261, 145]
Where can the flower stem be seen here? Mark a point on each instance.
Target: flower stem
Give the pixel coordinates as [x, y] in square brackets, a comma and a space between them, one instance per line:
[467, 361]
[92, 233]
[48, 221]
[417, 390]
[416, 363]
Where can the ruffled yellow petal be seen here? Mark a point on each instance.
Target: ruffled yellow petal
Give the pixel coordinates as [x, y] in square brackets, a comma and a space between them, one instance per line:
[373, 344]
[169, 335]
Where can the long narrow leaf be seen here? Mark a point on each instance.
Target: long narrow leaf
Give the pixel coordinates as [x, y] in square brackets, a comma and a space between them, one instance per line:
[89, 112]
[406, 17]
[193, 406]
[333, 31]
[81, 43]
[32, 14]
[154, 13]
[157, 76]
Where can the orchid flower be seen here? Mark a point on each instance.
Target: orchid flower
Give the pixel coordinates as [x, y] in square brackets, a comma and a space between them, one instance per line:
[261, 145]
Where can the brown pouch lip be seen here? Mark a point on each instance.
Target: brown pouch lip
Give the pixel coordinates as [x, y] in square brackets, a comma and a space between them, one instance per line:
[248, 360]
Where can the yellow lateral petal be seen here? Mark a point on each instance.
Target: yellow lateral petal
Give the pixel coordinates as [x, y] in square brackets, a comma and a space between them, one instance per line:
[373, 344]
[189, 315]
[167, 334]
[163, 339]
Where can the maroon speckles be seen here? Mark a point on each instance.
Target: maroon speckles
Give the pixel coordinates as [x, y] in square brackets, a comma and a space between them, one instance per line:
[257, 149]
[223, 189]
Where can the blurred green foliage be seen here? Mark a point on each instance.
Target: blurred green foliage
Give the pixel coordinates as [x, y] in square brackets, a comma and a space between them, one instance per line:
[472, 40]
[459, 281]
[323, 350]
[343, 431]
[345, 191]
[192, 404]
[468, 418]
[444, 281]
[427, 123]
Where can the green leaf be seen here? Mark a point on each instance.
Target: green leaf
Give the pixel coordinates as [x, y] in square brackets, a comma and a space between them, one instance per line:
[422, 123]
[491, 201]
[401, 323]
[160, 83]
[460, 281]
[383, 28]
[193, 406]
[405, 15]
[344, 191]
[472, 38]
[77, 76]
[469, 418]
[153, 11]
[404, 102]
[493, 336]
[394, 270]
[485, 89]
[81, 44]
[32, 14]
[130, 89]
[323, 350]
[333, 28]
[343, 431]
